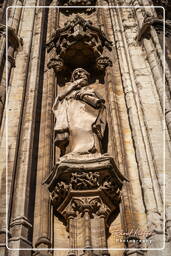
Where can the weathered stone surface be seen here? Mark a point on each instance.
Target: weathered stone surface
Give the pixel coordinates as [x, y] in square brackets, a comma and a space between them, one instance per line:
[84, 191]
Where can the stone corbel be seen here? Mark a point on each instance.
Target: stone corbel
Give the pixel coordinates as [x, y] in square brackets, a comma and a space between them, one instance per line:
[14, 42]
[56, 63]
[157, 23]
[86, 189]
[103, 62]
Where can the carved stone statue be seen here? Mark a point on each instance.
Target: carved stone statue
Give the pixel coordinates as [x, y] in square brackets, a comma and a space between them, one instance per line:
[80, 116]
[83, 177]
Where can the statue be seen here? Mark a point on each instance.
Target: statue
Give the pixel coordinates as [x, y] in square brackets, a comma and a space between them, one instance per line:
[80, 117]
[84, 176]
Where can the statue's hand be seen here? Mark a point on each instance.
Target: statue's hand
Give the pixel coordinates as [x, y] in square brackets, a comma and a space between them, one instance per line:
[80, 83]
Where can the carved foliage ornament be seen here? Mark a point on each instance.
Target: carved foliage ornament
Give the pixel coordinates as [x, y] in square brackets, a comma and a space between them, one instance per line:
[90, 204]
[81, 181]
[84, 3]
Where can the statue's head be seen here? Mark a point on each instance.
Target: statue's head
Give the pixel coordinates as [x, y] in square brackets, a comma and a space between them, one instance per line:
[79, 73]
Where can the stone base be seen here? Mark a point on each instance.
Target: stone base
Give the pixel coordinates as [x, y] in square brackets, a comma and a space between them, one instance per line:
[42, 254]
[70, 253]
[93, 253]
[134, 253]
[85, 191]
[104, 164]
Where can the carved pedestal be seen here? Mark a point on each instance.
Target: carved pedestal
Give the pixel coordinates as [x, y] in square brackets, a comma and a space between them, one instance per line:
[132, 243]
[85, 192]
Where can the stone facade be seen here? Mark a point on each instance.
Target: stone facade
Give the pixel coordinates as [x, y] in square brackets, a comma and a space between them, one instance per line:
[85, 117]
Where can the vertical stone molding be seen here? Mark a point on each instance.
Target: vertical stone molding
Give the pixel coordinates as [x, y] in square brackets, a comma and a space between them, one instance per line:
[128, 31]
[42, 213]
[14, 42]
[131, 212]
[23, 187]
[15, 106]
[149, 30]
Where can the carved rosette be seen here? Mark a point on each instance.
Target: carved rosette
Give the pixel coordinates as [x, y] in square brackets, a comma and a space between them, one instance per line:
[84, 3]
[78, 43]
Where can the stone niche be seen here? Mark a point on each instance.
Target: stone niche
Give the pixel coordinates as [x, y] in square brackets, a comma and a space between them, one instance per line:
[78, 44]
[85, 183]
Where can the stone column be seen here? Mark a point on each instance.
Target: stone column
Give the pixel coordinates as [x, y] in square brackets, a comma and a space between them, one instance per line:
[15, 97]
[87, 229]
[43, 229]
[23, 194]
[71, 223]
[103, 213]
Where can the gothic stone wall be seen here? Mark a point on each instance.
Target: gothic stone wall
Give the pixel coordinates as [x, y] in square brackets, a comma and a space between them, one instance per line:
[134, 88]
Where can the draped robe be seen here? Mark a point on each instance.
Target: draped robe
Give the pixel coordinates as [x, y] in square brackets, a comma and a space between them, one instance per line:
[80, 120]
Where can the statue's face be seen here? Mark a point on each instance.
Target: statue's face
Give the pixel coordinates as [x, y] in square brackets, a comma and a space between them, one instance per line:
[80, 73]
